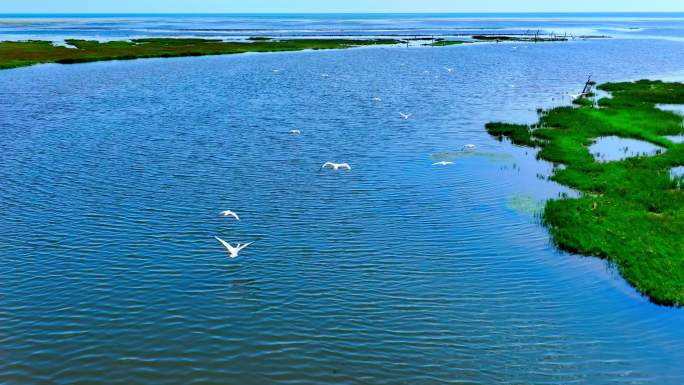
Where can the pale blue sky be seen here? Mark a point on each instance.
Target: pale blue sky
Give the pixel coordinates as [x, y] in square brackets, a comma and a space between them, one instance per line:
[285, 6]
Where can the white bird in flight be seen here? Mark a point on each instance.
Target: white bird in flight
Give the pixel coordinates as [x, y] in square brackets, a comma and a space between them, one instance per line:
[377, 99]
[233, 251]
[469, 147]
[442, 163]
[449, 69]
[405, 116]
[337, 166]
[295, 132]
[229, 213]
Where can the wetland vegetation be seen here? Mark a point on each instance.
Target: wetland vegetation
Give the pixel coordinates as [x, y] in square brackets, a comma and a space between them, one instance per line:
[26, 53]
[631, 211]
[445, 43]
[525, 38]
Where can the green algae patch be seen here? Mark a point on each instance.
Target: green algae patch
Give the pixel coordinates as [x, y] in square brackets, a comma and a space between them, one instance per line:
[26, 53]
[452, 156]
[632, 210]
[525, 205]
[446, 43]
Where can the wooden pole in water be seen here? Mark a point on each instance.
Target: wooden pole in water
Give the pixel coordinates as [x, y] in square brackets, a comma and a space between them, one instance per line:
[587, 86]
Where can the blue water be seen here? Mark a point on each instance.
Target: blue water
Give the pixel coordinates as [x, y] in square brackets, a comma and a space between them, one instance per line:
[241, 26]
[112, 175]
[614, 148]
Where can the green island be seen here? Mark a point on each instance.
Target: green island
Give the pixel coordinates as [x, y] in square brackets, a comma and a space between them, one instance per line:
[533, 39]
[445, 43]
[631, 211]
[26, 53]
[15, 54]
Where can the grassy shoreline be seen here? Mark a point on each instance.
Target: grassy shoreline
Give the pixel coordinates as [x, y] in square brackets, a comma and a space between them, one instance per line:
[27, 53]
[632, 210]
[14, 54]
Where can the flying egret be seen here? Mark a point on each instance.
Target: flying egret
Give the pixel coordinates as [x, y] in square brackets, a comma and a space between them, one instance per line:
[233, 251]
[449, 69]
[229, 213]
[337, 166]
[295, 132]
[469, 147]
[405, 116]
[377, 99]
[442, 163]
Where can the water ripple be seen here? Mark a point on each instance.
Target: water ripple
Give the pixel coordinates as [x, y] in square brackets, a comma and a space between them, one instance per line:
[113, 175]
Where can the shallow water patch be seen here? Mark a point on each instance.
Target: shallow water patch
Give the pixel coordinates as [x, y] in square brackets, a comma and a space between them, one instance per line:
[601, 94]
[450, 156]
[677, 172]
[525, 204]
[676, 108]
[613, 148]
[676, 138]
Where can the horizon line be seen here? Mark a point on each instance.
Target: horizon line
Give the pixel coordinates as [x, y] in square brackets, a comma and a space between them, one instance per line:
[351, 13]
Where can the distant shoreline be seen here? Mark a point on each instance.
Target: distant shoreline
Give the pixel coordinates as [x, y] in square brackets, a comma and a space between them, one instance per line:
[424, 14]
[14, 54]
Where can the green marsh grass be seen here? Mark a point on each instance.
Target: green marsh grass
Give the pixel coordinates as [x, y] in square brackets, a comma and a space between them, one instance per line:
[26, 53]
[526, 38]
[445, 43]
[632, 210]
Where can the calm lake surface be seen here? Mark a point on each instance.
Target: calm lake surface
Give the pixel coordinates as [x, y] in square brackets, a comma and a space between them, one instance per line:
[112, 176]
[239, 26]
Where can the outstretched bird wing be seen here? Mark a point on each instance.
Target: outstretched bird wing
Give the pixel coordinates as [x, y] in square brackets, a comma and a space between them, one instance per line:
[240, 247]
[225, 244]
